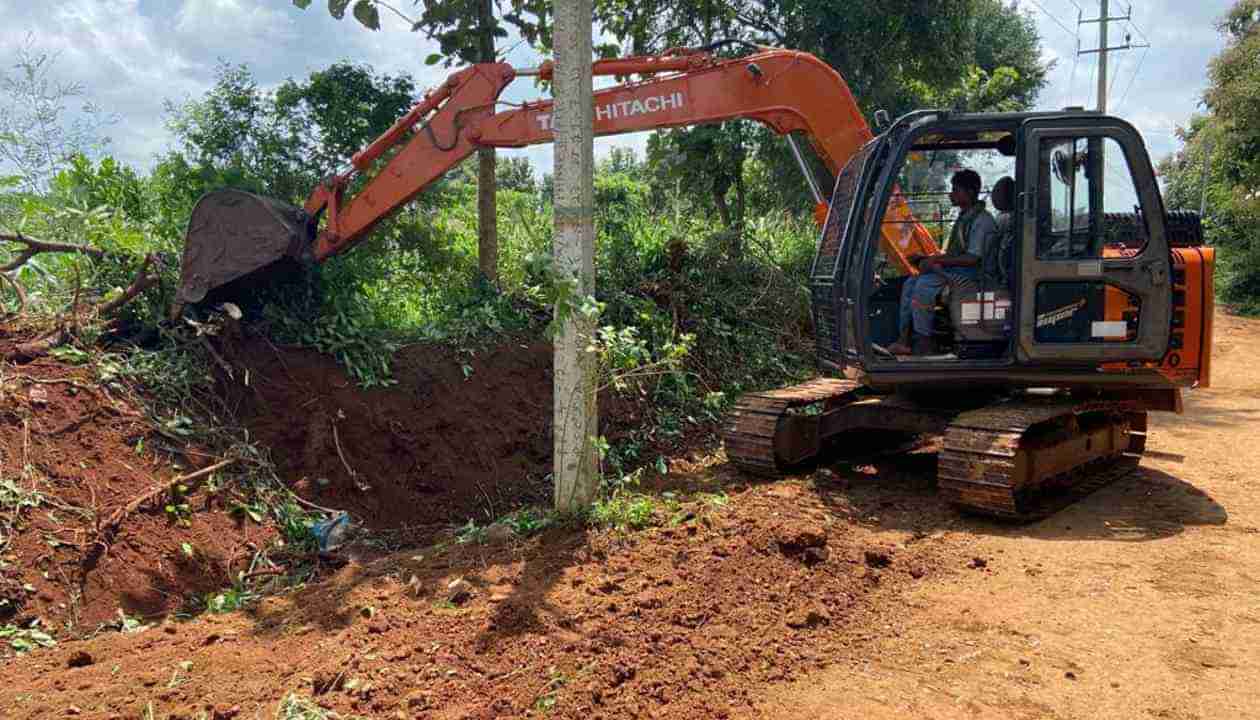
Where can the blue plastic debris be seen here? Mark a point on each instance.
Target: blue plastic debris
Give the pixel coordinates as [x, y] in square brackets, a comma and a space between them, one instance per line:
[332, 533]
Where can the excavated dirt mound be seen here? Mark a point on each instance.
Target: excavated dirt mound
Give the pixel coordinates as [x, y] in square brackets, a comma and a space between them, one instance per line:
[461, 436]
[683, 621]
[72, 453]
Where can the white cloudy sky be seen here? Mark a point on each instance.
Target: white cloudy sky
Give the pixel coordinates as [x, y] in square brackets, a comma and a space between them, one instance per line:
[131, 55]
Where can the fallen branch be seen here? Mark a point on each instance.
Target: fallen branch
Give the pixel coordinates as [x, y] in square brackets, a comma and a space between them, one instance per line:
[143, 281]
[337, 443]
[106, 532]
[35, 247]
[64, 333]
[40, 346]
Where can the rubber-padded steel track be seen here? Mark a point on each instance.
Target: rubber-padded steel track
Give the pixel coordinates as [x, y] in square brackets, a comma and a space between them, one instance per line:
[752, 425]
[978, 463]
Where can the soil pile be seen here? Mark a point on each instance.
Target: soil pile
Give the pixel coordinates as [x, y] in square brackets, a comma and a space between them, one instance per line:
[73, 452]
[687, 620]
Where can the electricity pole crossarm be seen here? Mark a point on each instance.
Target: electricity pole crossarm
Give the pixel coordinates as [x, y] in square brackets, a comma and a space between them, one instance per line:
[1104, 19]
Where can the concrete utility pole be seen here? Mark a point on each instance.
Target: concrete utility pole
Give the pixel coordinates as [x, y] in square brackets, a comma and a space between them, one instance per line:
[487, 186]
[574, 417]
[1102, 57]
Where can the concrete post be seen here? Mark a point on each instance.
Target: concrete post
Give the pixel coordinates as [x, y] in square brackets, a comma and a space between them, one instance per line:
[574, 417]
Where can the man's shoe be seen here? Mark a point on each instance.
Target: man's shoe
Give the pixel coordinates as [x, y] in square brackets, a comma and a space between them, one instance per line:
[900, 348]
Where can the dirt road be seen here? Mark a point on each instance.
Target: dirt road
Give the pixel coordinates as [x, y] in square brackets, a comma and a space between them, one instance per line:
[1142, 601]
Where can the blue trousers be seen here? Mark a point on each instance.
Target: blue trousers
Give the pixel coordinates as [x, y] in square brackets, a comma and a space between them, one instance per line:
[918, 297]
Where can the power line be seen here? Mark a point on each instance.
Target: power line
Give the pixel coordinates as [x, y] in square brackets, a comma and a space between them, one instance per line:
[1136, 72]
[1115, 75]
[1056, 20]
[1141, 60]
[1076, 57]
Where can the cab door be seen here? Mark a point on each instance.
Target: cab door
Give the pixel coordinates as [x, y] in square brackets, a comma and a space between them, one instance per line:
[1094, 265]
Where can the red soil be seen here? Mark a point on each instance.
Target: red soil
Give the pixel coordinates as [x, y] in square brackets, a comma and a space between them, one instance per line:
[461, 436]
[683, 621]
[75, 443]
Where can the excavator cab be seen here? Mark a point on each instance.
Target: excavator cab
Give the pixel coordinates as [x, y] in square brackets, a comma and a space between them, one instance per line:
[1091, 307]
[1077, 277]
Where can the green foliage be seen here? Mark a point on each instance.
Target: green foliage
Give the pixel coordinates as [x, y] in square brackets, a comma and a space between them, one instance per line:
[14, 498]
[229, 600]
[624, 512]
[983, 54]
[345, 107]
[296, 525]
[298, 707]
[528, 521]
[977, 91]
[1226, 141]
[466, 30]
[348, 335]
[26, 639]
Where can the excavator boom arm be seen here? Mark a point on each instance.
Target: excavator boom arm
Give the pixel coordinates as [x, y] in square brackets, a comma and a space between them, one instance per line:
[786, 90]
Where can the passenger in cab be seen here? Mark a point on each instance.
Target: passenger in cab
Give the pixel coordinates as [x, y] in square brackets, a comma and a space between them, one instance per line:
[1003, 199]
[959, 265]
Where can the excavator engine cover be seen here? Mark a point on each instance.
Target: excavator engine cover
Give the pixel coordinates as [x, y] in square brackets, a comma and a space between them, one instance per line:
[238, 242]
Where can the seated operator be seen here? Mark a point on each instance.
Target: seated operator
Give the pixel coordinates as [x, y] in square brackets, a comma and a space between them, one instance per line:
[973, 232]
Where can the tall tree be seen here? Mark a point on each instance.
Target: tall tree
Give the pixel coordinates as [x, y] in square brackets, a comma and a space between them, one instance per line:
[466, 32]
[281, 142]
[1218, 165]
[895, 55]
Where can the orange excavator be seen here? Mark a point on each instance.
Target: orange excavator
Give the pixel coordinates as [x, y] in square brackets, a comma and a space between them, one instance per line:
[1092, 306]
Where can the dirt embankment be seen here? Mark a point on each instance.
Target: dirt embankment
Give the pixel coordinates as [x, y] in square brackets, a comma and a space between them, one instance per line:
[73, 452]
[462, 435]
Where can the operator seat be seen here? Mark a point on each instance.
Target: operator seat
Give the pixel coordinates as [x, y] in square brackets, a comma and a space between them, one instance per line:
[983, 314]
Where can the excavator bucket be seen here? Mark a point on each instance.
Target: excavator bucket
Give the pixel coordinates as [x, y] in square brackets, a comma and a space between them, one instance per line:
[239, 244]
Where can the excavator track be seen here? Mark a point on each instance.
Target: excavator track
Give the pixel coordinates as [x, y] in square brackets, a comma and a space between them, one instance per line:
[754, 434]
[1026, 460]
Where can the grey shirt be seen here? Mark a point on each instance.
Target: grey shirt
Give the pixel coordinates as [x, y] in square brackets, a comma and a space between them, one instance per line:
[983, 230]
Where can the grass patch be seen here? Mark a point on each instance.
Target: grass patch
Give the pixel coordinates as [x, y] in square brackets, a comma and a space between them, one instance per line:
[624, 511]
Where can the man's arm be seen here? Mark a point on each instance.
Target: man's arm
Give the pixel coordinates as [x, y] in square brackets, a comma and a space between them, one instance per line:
[983, 232]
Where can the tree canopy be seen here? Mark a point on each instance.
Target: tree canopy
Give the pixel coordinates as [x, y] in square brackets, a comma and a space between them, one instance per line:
[1219, 163]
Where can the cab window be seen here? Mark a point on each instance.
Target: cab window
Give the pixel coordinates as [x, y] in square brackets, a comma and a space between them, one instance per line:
[1089, 206]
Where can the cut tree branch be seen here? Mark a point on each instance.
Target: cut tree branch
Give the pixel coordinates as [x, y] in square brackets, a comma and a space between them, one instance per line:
[105, 534]
[143, 281]
[146, 277]
[35, 247]
[21, 296]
